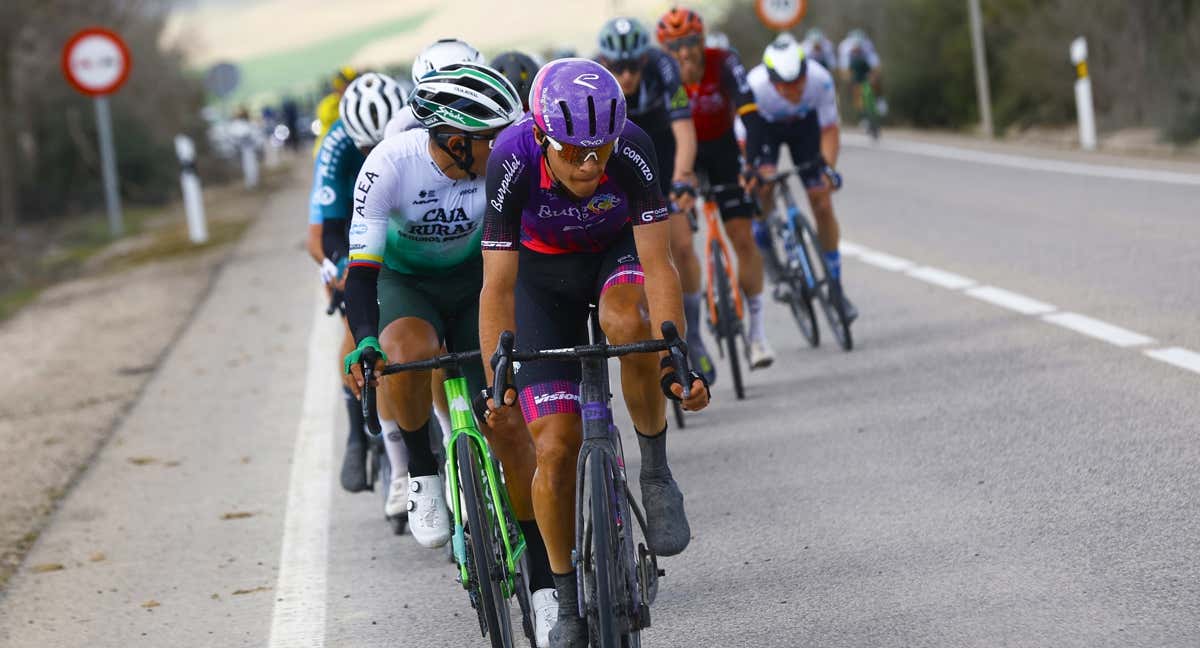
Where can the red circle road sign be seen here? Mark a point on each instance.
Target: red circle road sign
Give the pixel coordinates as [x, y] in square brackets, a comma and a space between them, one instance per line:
[781, 15]
[96, 61]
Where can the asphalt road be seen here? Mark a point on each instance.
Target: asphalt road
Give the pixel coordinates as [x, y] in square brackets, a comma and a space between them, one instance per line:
[1012, 467]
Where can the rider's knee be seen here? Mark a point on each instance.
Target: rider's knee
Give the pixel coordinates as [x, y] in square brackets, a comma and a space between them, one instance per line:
[624, 321]
[556, 455]
[409, 343]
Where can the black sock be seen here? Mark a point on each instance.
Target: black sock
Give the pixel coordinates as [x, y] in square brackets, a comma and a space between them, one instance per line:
[654, 453]
[568, 594]
[540, 576]
[421, 462]
[354, 410]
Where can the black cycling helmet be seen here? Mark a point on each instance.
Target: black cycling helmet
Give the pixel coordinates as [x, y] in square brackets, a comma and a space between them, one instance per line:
[519, 68]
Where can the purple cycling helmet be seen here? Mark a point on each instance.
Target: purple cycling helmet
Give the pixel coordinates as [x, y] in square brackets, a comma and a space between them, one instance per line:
[577, 101]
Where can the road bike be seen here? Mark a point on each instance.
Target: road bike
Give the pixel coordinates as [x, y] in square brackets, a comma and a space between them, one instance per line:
[487, 542]
[723, 298]
[617, 579]
[796, 264]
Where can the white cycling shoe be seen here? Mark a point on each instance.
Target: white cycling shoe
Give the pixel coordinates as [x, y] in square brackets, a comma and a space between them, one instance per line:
[761, 354]
[428, 519]
[545, 615]
[397, 499]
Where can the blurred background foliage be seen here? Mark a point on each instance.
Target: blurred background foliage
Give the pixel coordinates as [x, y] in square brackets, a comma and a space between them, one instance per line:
[1142, 58]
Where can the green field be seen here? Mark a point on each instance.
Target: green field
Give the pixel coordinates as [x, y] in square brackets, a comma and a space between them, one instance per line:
[303, 69]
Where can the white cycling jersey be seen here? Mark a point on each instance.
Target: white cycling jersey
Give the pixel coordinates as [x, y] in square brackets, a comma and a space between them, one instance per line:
[848, 45]
[410, 216]
[819, 96]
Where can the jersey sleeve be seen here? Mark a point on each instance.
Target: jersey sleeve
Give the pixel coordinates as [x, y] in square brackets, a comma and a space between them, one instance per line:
[674, 94]
[507, 186]
[635, 166]
[826, 98]
[736, 85]
[368, 228]
[326, 201]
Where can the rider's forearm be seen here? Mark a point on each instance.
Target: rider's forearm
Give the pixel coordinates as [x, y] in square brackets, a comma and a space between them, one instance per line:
[831, 144]
[663, 294]
[497, 305]
[313, 244]
[334, 243]
[362, 305]
[685, 146]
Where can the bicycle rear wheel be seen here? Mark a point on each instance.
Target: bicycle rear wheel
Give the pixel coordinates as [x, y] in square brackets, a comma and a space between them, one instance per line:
[727, 319]
[833, 305]
[484, 550]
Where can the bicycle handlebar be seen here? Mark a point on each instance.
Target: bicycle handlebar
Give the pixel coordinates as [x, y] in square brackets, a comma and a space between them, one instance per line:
[443, 361]
[504, 356]
[367, 362]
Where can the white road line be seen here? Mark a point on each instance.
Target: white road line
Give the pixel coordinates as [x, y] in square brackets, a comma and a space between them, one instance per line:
[1098, 329]
[885, 261]
[1027, 163]
[941, 278]
[1177, 356]
[298, 620]
[1011, 300]
[848, 249]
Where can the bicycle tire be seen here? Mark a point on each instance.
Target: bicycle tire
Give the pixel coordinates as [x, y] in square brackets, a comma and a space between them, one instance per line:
[603, 621]
[726, 328]
[493, 605]
[835, 313]
[800, 300]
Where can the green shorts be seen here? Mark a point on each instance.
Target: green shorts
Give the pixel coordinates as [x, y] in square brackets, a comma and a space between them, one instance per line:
[450, 303]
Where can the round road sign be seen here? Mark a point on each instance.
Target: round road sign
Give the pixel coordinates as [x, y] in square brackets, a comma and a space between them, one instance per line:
[96, 61]
[781, 14]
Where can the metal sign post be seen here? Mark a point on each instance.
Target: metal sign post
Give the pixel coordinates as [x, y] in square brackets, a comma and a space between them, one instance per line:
[96, 62]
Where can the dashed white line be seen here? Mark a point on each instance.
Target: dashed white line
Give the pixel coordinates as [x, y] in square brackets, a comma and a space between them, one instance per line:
[1029, 163]
[1011, 300]
[1177, 356]
[883, 260]
[1098, 329]
[298, 619]
[849, 249]
[941, 278]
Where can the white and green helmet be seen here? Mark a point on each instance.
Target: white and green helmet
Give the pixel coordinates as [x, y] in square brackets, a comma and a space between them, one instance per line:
[465, 96]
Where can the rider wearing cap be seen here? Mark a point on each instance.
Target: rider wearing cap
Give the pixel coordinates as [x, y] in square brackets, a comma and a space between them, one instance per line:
[797, 99]
[576, 216]
[366, 105]
[657, 102]
[716, 83]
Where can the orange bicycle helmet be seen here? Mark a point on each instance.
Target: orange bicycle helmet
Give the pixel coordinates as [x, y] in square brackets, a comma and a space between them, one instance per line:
[678, 23]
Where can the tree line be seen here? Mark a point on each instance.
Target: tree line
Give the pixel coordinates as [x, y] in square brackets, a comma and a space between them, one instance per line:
[1142, 58]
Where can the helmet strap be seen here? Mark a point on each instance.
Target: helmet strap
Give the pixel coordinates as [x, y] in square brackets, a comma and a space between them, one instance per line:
[464, 162]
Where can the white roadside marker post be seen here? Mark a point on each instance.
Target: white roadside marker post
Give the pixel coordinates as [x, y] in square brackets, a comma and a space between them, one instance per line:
[1083, 95]
[193, 201]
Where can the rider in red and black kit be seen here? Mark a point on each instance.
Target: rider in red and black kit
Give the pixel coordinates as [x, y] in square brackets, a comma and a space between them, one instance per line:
[716, 84]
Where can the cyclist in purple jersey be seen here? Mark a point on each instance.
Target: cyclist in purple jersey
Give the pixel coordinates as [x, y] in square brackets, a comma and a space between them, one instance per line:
[576, 216]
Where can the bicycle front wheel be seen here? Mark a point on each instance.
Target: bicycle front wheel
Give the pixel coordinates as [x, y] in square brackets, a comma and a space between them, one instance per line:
[484, 552]
[832, 303]
[601, 564]
[793, 279]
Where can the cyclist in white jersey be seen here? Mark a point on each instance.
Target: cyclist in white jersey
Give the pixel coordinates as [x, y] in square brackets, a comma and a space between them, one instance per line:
[818, 47]
[797, 99]
[415, 274]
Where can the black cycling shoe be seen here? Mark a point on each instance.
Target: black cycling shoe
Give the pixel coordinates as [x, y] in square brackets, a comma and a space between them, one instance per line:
[354, 467]
[569, 631]
[839, 293]
[667, 529]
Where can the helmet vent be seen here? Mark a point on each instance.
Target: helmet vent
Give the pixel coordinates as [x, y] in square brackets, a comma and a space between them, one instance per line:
[566, 112]
[612, 116]
[591, 116]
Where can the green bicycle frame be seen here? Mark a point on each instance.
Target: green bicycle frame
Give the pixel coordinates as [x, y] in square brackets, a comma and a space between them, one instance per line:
[868, 99]
[462, 422]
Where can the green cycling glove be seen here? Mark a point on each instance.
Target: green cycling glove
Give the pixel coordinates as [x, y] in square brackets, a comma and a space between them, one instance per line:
[354, 356]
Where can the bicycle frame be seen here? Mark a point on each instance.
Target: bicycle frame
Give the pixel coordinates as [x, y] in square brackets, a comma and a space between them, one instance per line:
[790, 246]
[713, 235]
[462, 423]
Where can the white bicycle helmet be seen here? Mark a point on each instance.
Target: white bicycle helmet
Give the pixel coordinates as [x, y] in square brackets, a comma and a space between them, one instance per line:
[368, 103]
[784, 59]
[466, 96]
[442, 53]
